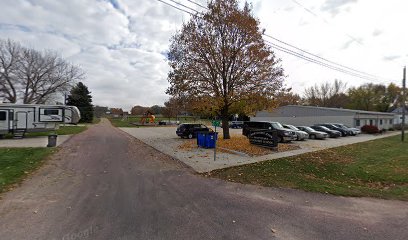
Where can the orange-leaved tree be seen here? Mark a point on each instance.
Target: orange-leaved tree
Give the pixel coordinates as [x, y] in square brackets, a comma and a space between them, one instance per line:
[220, 59]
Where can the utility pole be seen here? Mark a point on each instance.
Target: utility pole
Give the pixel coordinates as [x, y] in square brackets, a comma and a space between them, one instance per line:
[403, 105]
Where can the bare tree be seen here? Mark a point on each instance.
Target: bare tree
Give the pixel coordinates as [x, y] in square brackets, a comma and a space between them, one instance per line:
[327, 94]
[9, 61]
[171, 108]
[32, 76]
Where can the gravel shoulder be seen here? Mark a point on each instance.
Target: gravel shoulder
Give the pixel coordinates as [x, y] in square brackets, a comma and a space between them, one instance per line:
[201, 160]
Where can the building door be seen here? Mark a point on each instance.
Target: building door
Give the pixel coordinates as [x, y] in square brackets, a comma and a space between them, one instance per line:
[21, 120]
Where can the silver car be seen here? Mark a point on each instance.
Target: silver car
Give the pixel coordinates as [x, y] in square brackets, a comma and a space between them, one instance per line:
[313, 134]
[301, 135]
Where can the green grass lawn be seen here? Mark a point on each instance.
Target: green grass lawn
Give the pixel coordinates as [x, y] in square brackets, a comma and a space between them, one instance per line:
[16, 163]
[377, 168]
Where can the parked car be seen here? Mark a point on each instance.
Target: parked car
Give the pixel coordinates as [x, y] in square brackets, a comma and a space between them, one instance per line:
[313, 134]
[169, 122]
[284, 135]
[332, 133]
[330, 126]
[301, 135]
[354, 131]
[236, 124]
[190, 130]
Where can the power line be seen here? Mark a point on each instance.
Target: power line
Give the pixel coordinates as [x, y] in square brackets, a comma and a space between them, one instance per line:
[324, 59]
[189, 8]
[195, 3]
[328, 23]
[327, 63]
[323, 64]
[175, 7]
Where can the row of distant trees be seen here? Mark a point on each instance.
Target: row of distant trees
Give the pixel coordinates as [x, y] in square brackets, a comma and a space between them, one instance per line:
[369, 96]
[336, 94]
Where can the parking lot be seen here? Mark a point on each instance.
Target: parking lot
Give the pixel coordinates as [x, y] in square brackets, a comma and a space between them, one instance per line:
[165, 140]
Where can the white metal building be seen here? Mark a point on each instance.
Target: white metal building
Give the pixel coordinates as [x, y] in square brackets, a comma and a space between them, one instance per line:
[310, 115]
[398, 116]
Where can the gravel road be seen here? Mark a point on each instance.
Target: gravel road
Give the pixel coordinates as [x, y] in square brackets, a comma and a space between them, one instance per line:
[104, 184]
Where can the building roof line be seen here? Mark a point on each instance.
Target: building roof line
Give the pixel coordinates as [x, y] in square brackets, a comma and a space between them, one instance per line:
[342, 109]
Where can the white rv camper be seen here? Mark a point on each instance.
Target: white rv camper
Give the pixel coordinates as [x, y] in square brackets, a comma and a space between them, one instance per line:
[21, 118]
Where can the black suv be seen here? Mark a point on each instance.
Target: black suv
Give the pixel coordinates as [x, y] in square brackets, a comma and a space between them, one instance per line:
[190, 130]
[330, 126]
[332, 133]
[284, 135]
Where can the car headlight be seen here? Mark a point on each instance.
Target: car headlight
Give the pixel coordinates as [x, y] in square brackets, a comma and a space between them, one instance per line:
[286, 133]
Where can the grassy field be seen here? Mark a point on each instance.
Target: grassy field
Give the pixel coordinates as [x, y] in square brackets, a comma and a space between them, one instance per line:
[376, 168]
[16, 163]
[119, 122]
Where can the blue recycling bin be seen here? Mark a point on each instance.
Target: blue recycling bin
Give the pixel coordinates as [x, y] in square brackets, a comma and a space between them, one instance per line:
[210, 139]
[201, 139]
[206, 139]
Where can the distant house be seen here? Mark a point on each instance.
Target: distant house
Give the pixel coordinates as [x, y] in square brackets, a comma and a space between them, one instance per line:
[398, 115]
[310, 115]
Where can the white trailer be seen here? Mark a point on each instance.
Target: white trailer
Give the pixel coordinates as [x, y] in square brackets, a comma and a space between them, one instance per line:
[19, 119]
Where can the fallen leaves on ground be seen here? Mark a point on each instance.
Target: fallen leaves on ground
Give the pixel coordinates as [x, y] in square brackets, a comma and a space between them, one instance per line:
[241, 144]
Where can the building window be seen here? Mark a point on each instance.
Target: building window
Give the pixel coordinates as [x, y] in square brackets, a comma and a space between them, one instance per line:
[358, 122]
[371, 122]
[381, 121]
[3, 116]
[391, 121]
[50, 112]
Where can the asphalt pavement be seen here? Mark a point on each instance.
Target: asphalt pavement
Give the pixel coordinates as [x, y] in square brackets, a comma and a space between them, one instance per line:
[104, 184]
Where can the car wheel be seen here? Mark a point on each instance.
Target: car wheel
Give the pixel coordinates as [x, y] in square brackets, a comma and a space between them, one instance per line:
[190, 136]
[312, 136]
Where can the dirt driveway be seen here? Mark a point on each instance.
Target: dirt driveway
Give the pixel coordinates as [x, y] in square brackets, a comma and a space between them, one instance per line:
[165, 140]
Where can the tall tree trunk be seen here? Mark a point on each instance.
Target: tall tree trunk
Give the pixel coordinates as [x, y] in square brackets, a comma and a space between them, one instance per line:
[225, 125]
[225, 128]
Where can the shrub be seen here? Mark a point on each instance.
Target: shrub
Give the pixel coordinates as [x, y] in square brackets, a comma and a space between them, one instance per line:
[370, 129]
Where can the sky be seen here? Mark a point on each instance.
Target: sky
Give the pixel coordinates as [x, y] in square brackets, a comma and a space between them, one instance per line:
[122, 44]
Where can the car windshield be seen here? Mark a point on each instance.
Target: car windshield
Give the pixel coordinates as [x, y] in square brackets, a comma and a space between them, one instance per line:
[309, 129]
[293, 127]
[277, 125]
[324, 128]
